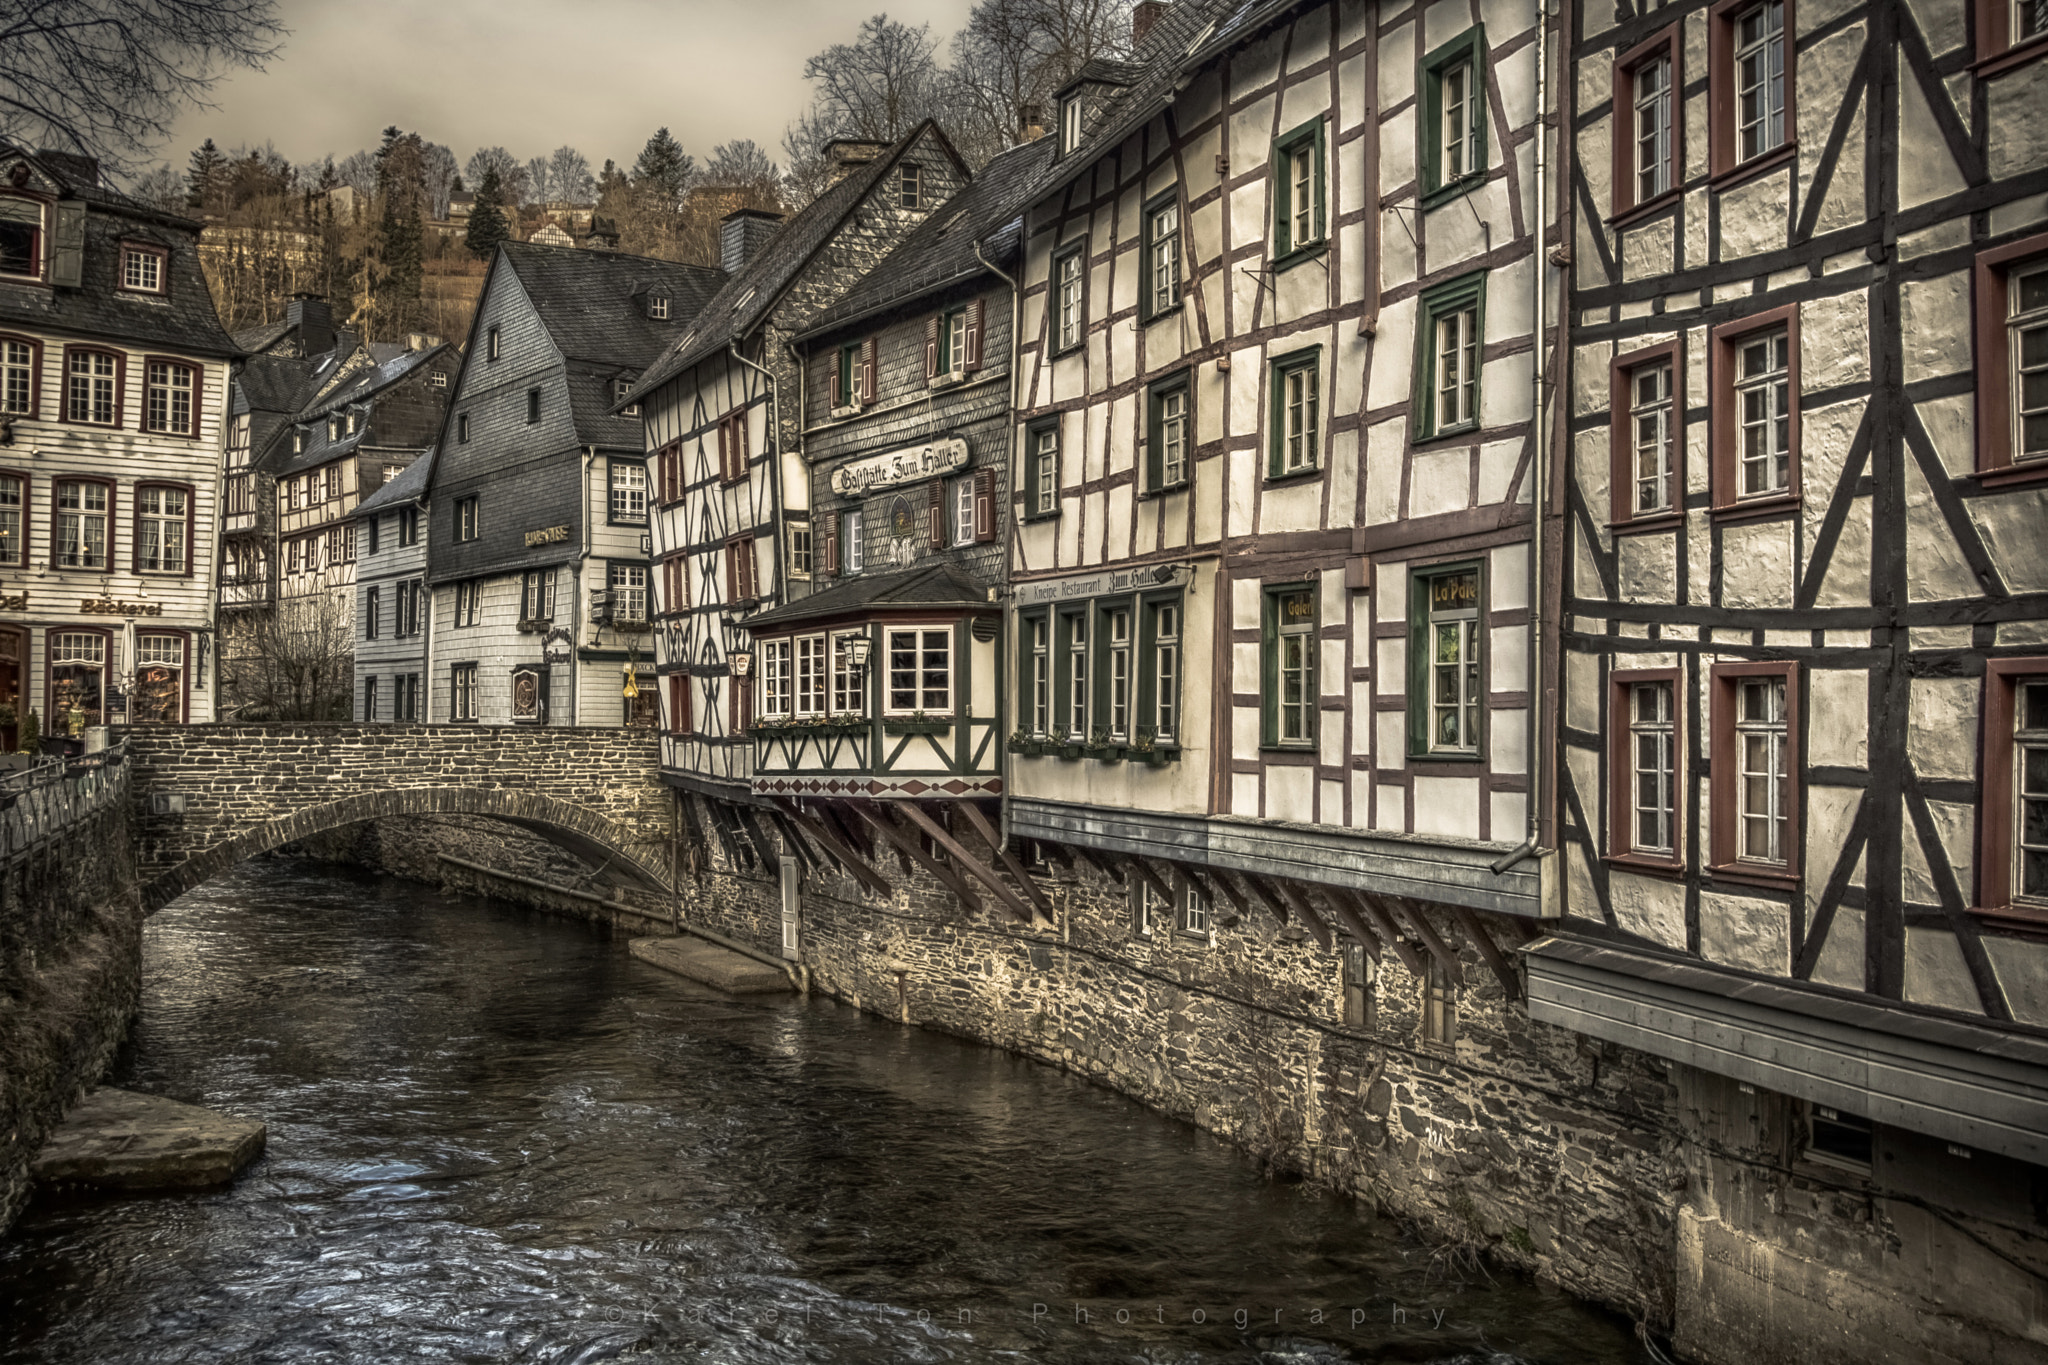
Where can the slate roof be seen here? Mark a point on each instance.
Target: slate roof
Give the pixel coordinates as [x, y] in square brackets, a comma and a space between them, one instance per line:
[586, 299]
[941, 250]
[276, 455]
[270, 389]
[723, 319]
[373, 378]
[255, 340]
[182, 319]
[410, 485]
[936, 585]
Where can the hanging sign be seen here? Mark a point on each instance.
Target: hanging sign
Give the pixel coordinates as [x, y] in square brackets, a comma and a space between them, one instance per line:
[857, 478]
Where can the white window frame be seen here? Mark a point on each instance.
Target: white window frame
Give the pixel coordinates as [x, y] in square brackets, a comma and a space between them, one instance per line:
[168, 396]
[1759, 81]
[927, 644]
[142, 272]
[1652, 100]
[2029, 789]
[1038, 634]
[963, 511]
[1078, 675]
[1045, 471]
[812, 679]
[1463, 701]
[17, 378]
[1651, 413]
[1173, 437]
[1459, 122]
[628, 584]
[1071, 111]
[628, 491]
[1763, 414]
[83, 524]
[1762, 745]
[852, 549]
[776, 694]
[91, 389]
[159, 528]
[799, 549]
[1458, 363]
[849, 684]
[1166, 656]
[1121, 684]
[1653, 768]
[1071, 270]
[1294, 674]
[2022, 322]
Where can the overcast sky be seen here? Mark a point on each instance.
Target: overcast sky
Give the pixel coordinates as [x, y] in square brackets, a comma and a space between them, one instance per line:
[600, 75]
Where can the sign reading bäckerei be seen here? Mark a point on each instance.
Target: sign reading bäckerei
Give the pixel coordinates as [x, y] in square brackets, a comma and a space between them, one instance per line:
[894, 467]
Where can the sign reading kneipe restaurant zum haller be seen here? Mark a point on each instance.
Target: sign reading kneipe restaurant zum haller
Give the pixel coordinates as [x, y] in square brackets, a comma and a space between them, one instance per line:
[887, 470]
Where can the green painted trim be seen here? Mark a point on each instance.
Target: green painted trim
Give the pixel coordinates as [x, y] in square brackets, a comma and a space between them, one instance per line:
[1269, 665]
[1419, 661]
[1146, 313]
[1178, 382]
[1277, 369]
[1285, 250]
[1429, 76]
[1437, 300]
[1052, 299]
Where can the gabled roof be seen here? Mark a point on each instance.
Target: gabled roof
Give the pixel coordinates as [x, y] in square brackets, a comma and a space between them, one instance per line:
[747, 297]
[946, 585]
[586, 299]
[260, 338]
[409, 486]
[941, 250]
[1102, 71]
[374, 378]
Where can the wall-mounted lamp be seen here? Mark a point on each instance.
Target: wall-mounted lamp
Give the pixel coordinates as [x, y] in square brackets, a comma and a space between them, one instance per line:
[742, 663]
[858, 649]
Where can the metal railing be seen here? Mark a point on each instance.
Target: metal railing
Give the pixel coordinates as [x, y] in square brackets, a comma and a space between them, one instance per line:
[41, 802]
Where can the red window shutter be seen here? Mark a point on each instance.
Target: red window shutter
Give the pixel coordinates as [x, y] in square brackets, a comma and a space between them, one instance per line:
[724, 456]
[732, 571]
[831, 565]
[935, 516]
[679, 703]
[973, 343]
[867, 370]
[931, 347]
[984, 505]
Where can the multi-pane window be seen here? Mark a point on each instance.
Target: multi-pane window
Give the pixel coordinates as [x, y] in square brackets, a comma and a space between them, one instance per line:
[1445, 630]
[1650, 417]
[1291, 674]
[1149, 906]
[657, 307]
[1070, 124]
[920, 670]
[909, 186]
[1168, 434]
[369, 700]
[89, 390]
[81, 525]
[160, 529]
[1162, 257]
[1452, 86]
[621, 386]
[1297, 416]
[849, 695]
[1068, 321]
[629, 491]
[799, 549]
[408, 525]
[2029, 19]
[775, 690]
[1759, 80]
[2027, 352]
[142, 270]
[1194, 908]
[1044, 489]
[2030, 768]
[846, 376]
[962, 497]
[953, 343]
[13, 539]
[17, 377]
[1038, 654]
[810, 675]
[405, 704]
[1456, 145]
[1165, 671]
[1457, 368]
[1763, 389]
[852, 549]
[462, 690]
[537, 595]
[159, 696]
[167, 398]
[373, 612]
[467, 520]
[1358, 1000]
[628, 583]
[1077, 674]
[1298, 212]
[1760, 740]
[1653, 758]
[1653, 98]
[1116, 632]
[468, 600]
[1439, 1005]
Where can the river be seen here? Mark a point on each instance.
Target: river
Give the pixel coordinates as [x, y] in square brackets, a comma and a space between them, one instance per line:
[496, 1137]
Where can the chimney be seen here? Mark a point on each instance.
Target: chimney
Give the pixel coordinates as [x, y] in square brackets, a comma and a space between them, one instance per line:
[847, 153]
[741, 236]
[1145, 14]
[1030, 122]
[313, 320]
[421, 341]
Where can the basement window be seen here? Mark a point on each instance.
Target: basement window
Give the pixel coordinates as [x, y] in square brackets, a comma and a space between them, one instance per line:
[1836, 1137]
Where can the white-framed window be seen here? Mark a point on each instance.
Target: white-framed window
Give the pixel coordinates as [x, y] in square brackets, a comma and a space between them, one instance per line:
[1070, 124]
[440, 379]
[953, 343]
[1039, 718]
[1651, 415]
[1763, 395]
[909, 187]
[462, 692]
[160, 529]
[628, 583]
[1165, 671]
[1460, 123]
[17, 377]
[1173, 437]
[13, 497]
[1760, 738]
[1117, 671]
[775, 689]
[537, 595]
[390, 472]
[629, 490]
[1300, 435]
[1149, 908]
[1439, 1005]
[1162, 257]
[1653, 745]
[849, 692]
[1070, 268]
[468, 520]
[81, 525]
[1301, 192]
[373, 612]
[1077, 675]
[810, 675]
[89, 394]
[2027, 349]
[1653, 128]
[1294, 668]
[142, 271]
[620, 388]
[657, 307]
[921, 671]
[468, 601]
[1759, 80]
[1455, 698]
[1194, 908]
[333, 429]
[1457, 368]
[167, 400]
[1045, 471]
[852, 548]
[799, 549]
[2030, 780]
[963, 511]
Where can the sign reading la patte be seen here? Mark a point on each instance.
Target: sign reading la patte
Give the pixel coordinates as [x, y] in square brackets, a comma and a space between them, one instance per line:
[887, 470]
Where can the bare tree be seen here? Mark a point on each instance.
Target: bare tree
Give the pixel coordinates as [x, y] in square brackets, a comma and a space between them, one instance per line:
[359, 173]
[539, 182]
[511, 173]
[295, 661]
[879, 85]
[105, 78]
[438, 175]
[160, 187]
[569, 176]
[1015, 53]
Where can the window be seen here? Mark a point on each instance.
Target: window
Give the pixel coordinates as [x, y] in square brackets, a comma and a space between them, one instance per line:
[1298, 212]
[1164, 675]
[1070, 123]
[1289, 691]
[82, 511]
[2012, 866]
[849, 692]
[1646, 437]
[954, 338]
[408, 525]
[1358, 999]
[1643, 766]
[299, 439]
[1449, 357]
[1042, 491]
[406, 703]
[1037, 692]
[2027, 345]
[741, 585]
[21, 237]
[1452, 84]
[629, 491]
[410, 597]
[1446, 693]
[732, 447]
[461, 428]
[1169, 429]
[1751, 72]
[810, 675]
[920, 671]
[440, 379]
[467, 520]
[680, 704]
[162, 522]
[846, 376]
[2012, 360]
[775, 690]
[1148, 906]
[20, 377]
[373, 612]
[532, 406]
[13, 529]
[1753, 712]
[78, 677]
[2014, 27]
[1115, 633]
[1194, 909]
[159, 695]
[1755, 412]
[657, 307]
[909, 180]
[167, 399]
[1439, 1005]
[622, 386]
[628, 583]
[370, 699]
[1297, 416]
[852, 548]
[537, 595]
[332, 477]
[333, 429]
[491, 348]
[799, 533]
[373, 526]
[142, 269]
[1069, 299]
[462, 680]
[468, 599]
[1836, 1137]
[1074, 627]
[92, 392]
[1160, 285]
[961, 496]
[1648, 136]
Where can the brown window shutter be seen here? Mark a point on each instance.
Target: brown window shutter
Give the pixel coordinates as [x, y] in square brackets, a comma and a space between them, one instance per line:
[867, 370]
[936, 514]
[974, 324]
[931, 347]
[838, 397]
[984, 505]
[724, 457]
[732, 568]
[831, 551]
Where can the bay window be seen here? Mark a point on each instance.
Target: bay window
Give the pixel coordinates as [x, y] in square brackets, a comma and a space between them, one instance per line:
[920, 671]
[775, 679]
[810, 675]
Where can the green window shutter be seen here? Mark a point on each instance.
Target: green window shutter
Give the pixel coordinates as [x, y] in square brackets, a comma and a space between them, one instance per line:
[1321, 181]
[1418, 665]
[1154, 466]
[67, 245]
[1269, 669]
[1144, 681]
[1276, 420]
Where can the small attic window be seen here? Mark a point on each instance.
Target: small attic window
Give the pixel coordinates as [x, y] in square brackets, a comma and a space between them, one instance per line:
[440, 379]
[909, 186]
[620, 388]
[657, 307]
[299, 441]
[352, 424]
[333, 428]
[1070, 124]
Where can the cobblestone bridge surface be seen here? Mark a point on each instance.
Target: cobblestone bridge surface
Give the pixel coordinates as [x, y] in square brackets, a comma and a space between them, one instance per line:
[206, 797]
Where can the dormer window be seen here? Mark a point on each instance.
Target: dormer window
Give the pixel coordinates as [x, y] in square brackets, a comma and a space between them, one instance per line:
[21, 237]
[1070, 124]
[351, 427]
[657, 307]
[142, 269]
[620, 388]
[333, 428]
[440, 379]
[909, 185]
[299, 441]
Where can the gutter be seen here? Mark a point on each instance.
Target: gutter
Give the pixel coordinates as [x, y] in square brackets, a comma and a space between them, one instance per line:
[1010, 465]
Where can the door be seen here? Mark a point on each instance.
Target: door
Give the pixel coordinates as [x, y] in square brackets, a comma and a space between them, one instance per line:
[792, 902]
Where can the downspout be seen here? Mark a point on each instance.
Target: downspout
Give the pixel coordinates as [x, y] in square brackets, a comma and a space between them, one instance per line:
[803, 377]
[576, 604]
[1539, 472]
[1009, 466]
[427, 620]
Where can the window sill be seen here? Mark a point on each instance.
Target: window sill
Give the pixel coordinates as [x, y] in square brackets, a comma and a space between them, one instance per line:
[2013, 475]
[1655, 521]
[1648, 208]
[1733, 176]
[1455, 762]
[1626, 862]
[1290, 259]
[904, 725]
[1053, 515]
[1289, 476]
[1062, 352]
[1456, 189]
[842, 413]
[1757, 509]
[2030, 920]
[946, 381]
[1755, 876]
[2018, 55]
[1464, 429]
[1172, 311]
[1177, 486]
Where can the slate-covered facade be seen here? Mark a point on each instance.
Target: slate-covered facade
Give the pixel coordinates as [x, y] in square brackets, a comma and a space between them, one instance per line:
[391, 609]
[539, 565]
[113, 384]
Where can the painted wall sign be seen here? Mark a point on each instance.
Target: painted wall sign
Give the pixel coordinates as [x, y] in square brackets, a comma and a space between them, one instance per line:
[547, 535]
[858, 477]
[902, 521]
[18, 602]
[107, 606]
[1094, 585]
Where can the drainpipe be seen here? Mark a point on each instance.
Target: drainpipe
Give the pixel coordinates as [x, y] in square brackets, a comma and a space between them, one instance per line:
[775, 443]
[576, 597]
[1016, 307]
[803, 377]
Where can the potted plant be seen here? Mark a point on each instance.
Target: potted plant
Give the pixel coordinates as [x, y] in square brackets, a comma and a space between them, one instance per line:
[1146, 748]
[917, 723]
[1024, 742]
[1099, 745]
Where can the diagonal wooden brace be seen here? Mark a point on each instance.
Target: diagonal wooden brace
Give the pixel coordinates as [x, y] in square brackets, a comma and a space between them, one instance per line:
[1353, 925]
[965, 859]
[1391, 933]
[1475, 930]
[1008, 859]
[1433, 941]
[845, 856]
[907, 849]
[1315, 922]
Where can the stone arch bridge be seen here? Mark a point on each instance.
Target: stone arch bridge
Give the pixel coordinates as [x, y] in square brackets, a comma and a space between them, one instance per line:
[247, 789]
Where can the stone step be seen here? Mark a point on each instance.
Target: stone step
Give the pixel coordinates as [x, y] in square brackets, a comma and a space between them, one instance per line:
[699, 960]
[120, 1140]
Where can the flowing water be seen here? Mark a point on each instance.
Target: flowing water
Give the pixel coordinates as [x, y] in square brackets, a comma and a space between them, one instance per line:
[496, 1137]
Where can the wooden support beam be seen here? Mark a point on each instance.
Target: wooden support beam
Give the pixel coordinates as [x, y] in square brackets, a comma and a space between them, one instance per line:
[1469, 921]
[795, 840]
[851, 832]
[1009, 861]
[1100, 864]
[1353, 925]
[1433, 941]
[846, 857]
[1237, 897]
[1388, 930]
[1267, 896]
[965, 859]
[1056, 851]
[1309, 917]
[1197, 880]
[763, 845]
[1150, 876]
[907, 849]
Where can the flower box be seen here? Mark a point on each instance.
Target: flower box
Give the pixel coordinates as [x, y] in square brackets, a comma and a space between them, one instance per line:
[913, 725]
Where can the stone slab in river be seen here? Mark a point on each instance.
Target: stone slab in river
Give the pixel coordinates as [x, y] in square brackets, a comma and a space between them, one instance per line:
[712, 965]
[119, 1140]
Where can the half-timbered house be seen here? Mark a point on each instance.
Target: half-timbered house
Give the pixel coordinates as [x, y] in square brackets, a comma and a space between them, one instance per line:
[113, 381]
[1807, 654]
[539, 563]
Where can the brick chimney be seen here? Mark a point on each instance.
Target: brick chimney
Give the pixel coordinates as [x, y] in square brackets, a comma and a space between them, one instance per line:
[849, 153]
[1030, 122]
[1145, 14]
[313, 320]
[741, 236]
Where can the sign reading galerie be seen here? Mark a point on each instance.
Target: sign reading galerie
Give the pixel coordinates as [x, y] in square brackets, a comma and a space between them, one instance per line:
[548, 535]
[891, 468]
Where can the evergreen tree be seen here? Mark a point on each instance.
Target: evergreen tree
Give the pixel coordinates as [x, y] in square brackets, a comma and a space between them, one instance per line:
[205, 177]
[404, 265]
[486, 219]
[664, 170]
